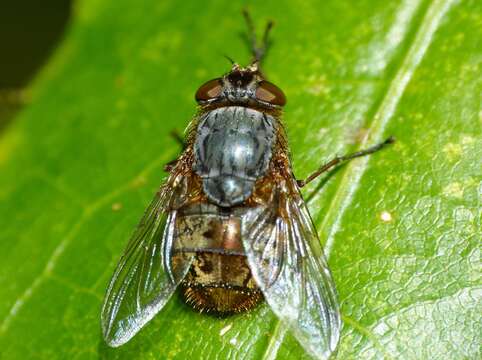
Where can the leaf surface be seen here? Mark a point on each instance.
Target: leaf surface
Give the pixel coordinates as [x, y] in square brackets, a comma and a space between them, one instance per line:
[401, 228]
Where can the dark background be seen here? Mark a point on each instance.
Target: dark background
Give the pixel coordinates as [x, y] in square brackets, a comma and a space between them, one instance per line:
[29, 32]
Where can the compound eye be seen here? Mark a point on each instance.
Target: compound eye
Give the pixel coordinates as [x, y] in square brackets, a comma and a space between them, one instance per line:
[210, 90]
[270, 93]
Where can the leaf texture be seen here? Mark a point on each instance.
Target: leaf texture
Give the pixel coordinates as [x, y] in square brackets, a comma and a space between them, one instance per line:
[402, 228]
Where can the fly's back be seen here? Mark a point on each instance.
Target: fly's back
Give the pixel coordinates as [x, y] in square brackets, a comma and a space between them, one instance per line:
[232, 150]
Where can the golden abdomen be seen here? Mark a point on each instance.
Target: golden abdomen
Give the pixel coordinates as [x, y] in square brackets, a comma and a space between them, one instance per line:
[219, 280]
[220, 284]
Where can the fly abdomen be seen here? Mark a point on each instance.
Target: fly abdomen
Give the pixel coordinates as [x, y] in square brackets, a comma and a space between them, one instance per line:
[220, 284]
[232, 150]
[219, 279]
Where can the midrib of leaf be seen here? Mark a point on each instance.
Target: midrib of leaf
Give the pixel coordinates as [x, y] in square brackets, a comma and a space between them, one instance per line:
[354, 171]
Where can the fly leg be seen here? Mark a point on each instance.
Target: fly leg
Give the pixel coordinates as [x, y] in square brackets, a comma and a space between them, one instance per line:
[341, 159]
[257, 51]
[176, 136]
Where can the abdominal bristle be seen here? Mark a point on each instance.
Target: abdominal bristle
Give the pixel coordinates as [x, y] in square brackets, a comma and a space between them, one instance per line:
[221, 300]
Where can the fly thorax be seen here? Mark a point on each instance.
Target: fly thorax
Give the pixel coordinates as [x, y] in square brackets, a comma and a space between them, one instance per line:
[232, 150]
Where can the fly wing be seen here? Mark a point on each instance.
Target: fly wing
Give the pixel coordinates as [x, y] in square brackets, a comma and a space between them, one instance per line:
[287, 262]
[144, 279]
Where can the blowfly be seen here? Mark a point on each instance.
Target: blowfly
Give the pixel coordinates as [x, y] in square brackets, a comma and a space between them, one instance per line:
[229, 227]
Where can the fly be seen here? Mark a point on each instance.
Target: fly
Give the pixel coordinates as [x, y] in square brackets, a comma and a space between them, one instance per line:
[230, 226]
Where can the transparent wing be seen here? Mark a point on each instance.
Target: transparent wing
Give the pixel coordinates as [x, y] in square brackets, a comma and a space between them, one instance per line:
[287, 262]
[144, 279]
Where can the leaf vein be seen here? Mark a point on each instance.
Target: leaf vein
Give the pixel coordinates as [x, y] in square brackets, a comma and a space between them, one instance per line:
[355, 169]
[86, 214]
[351, 178]
[368, 334]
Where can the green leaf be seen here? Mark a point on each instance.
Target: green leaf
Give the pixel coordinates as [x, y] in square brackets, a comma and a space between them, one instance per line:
[401, 228]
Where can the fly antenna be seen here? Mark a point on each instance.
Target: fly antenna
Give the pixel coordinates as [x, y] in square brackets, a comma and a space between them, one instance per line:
[230, 59]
